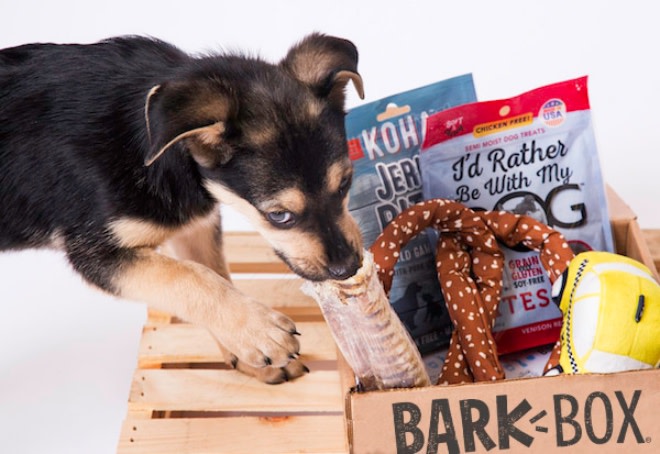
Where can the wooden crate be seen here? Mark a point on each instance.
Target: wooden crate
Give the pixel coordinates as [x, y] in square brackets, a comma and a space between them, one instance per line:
[185, 399]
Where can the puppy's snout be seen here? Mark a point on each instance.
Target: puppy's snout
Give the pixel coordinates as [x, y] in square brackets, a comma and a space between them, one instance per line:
[345, 269]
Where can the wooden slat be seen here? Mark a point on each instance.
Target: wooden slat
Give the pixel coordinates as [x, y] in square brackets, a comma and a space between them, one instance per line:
[308, 434]
[652, 238]
[286, 292]
[184, 343]
[282, 294]
[637, 248]
[231, 391]
[158, 317]
[248, 252]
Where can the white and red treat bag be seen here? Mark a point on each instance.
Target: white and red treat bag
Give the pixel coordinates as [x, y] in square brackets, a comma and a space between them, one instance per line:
[534, 154]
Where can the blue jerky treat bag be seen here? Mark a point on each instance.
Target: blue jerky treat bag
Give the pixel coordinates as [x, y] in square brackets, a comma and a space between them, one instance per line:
[384, 139]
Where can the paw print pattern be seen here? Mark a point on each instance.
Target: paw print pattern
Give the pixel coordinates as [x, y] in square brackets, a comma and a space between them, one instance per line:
[469, 265]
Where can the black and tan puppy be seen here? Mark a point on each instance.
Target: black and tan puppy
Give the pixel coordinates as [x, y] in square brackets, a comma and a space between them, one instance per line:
[110, 150]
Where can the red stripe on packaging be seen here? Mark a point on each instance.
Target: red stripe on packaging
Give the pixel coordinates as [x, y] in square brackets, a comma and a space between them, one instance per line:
[528, 336]
[546, 102]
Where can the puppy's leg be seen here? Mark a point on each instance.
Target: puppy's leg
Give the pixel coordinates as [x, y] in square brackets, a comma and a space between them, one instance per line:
[258, 335]
[202, 243]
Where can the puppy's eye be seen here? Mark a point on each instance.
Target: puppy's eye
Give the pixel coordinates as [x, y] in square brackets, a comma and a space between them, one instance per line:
[344, 185]
[281, 218]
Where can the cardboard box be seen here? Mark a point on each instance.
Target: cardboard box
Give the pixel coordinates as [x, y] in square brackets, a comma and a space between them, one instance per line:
[604, 413]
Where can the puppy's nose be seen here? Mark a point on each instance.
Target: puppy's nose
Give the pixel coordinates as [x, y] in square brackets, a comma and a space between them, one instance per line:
[341, 271]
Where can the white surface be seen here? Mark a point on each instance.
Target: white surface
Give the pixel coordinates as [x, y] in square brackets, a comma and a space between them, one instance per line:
[67, 353]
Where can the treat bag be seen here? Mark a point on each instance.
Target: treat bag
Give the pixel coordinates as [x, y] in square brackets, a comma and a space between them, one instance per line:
[384, 139]
[535, 155]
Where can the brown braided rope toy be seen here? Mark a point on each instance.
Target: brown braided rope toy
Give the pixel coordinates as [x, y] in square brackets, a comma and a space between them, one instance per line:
[469, 264]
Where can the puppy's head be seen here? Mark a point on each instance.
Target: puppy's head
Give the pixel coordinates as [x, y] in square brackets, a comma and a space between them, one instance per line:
[269, 140]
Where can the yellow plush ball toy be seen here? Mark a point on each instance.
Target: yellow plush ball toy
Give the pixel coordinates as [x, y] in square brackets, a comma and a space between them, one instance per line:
[611, 307]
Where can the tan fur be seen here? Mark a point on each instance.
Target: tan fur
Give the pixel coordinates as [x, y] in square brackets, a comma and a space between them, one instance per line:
[201, 242]
[56, 241]
[212, 108]
[310, 66]
[209, 135]
[349, 226]
[198, 295]
[314, 109]
[151, 93]
[196, 288]
[170, 285]
[198, 240]
[309, 69]
[131, 233]
[259, 137]
[291, 199]
[345, 76]
[224, 195]
[335, 174]
[303, 249]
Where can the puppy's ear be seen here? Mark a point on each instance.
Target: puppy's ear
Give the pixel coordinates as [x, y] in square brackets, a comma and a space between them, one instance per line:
[193, 112]
[325, 64]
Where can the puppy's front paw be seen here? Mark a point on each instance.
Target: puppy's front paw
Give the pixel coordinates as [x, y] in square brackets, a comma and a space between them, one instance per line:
[272, 375]
[257, 335]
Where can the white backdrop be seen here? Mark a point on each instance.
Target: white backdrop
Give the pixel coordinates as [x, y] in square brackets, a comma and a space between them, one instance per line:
[67, 352]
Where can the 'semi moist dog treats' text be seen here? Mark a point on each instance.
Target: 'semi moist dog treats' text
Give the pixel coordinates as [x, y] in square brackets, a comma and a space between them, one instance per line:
[534, 154]
[384, 139]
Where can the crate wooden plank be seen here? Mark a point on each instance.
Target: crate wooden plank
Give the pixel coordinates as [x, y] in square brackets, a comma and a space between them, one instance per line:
[248, 252]
[652, 238]
[158, 317]
[185, 343]
[308, 434]
[282, 294]
[285, 292]
[229, 390]
[637, 248]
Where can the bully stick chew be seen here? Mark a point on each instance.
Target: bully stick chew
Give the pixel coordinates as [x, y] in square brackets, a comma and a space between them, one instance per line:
[368, 332]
